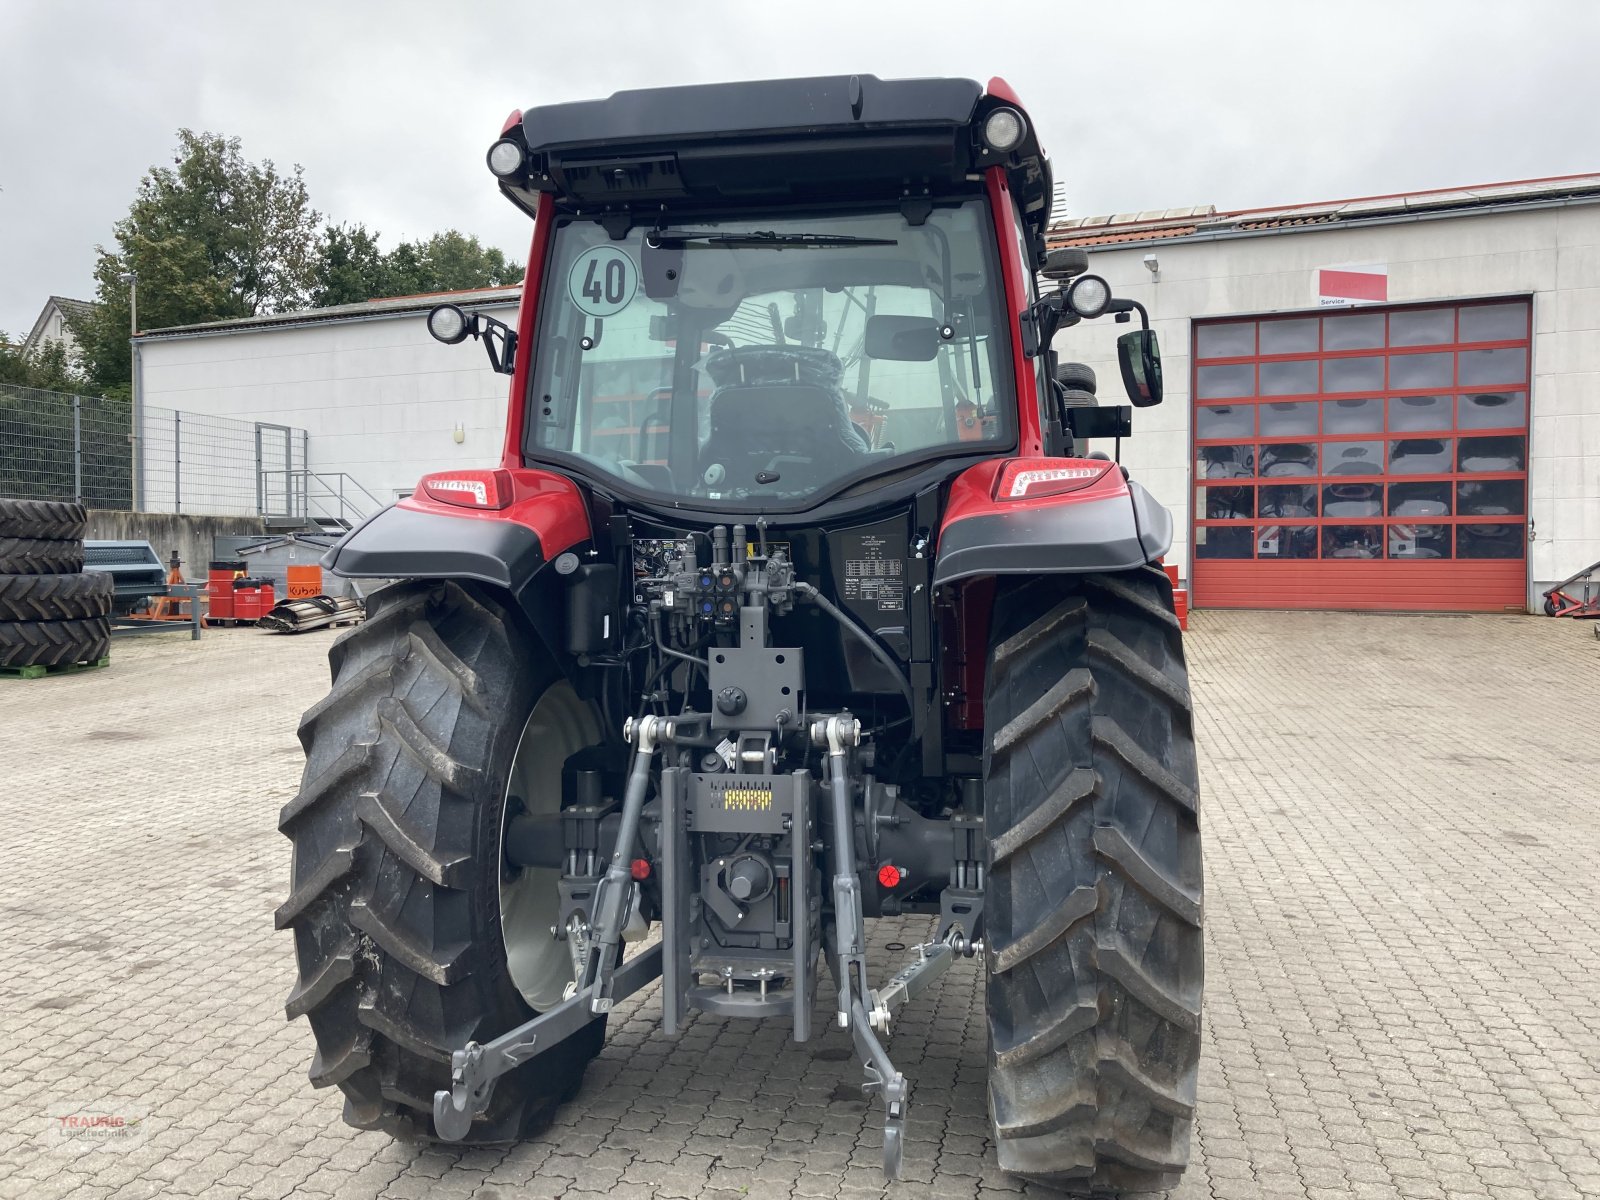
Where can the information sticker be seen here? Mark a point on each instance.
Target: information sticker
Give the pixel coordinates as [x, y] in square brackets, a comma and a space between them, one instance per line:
[603, 281]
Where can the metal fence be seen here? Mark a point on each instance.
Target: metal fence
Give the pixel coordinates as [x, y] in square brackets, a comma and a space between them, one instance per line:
[108, 454]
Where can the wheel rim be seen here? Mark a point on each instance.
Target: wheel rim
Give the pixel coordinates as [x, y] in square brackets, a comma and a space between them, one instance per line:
[541, 967]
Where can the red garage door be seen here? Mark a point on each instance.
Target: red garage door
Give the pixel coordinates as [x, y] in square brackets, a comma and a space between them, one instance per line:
[1372, 459]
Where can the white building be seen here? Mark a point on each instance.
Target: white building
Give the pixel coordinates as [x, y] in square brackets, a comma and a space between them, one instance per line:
[381, 402]
[1390, 402]
[52, 325]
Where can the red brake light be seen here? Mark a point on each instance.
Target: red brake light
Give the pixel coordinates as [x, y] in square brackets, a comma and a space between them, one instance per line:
[469, 489]
[1031, 478]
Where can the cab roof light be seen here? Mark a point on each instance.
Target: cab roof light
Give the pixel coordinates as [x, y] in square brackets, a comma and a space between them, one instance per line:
[505, 157]
[1003, 130]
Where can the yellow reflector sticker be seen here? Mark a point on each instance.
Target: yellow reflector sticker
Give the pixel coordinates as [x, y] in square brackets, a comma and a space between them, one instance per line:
[747, 799]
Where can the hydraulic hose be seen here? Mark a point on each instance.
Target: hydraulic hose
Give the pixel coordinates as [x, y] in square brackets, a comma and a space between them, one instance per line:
[853, 626]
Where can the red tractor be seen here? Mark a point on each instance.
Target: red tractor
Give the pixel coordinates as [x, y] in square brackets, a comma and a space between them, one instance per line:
[790, 605]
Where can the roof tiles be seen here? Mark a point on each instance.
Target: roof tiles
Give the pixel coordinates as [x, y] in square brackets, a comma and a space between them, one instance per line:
[1159, 224]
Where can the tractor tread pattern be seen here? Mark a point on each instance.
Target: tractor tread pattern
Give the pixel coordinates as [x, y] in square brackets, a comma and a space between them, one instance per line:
[1078, 786]
[59, 520]
[40, 556]
[407, 843]
[1113, 845]
[332, 869]
[1049, 1035]
[1091, 798]
[83, 596]
[54, 643]
[1080, 904]
[333, 1065]
[1073, 686]
[406, 947]
[396, 923]
[336, 970]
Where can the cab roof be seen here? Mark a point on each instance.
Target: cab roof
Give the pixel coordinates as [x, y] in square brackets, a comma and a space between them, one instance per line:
[827, 138]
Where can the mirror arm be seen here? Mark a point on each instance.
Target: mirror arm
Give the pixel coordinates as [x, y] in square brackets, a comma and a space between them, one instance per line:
[1041, 322]
[499, 341]
[1122, 306]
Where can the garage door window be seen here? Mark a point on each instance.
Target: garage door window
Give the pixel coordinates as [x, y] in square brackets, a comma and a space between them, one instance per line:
[1370, 435]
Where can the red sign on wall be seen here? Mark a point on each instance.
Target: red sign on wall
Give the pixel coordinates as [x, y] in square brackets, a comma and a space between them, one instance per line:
[1341, 286]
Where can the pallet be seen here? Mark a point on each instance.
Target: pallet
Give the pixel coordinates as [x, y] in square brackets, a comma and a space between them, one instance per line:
[37, 671]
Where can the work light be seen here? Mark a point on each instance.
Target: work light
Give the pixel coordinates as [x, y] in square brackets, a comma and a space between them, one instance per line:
[1088, 296]
[448, 324]
[505, 158]
[1003, 129]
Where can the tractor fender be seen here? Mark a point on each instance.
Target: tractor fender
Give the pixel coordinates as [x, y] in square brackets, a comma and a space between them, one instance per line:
[497, 527]
[1112, 524]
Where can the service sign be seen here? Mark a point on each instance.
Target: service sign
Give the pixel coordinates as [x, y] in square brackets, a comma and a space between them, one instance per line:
[1350, 285]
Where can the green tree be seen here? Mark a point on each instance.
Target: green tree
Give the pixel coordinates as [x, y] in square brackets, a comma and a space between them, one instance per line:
[211, 237]
[47, 367]
[351, 267]
[453, 261]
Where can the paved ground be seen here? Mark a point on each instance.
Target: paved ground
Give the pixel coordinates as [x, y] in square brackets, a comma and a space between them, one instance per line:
[1403, 948]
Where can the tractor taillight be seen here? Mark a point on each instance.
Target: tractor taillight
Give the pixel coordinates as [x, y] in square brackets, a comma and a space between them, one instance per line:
[1031, 478]
[469, 489]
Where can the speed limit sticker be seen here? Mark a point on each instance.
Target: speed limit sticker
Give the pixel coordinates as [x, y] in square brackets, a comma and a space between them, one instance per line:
[602, 282]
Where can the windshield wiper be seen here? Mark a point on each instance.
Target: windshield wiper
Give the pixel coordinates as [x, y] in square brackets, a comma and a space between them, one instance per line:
[759, 239]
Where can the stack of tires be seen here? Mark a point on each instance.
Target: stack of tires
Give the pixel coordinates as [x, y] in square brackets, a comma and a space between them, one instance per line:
[1077, 382]
[52, 612]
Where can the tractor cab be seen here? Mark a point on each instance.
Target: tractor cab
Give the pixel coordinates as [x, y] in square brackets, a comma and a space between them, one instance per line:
[736, 314]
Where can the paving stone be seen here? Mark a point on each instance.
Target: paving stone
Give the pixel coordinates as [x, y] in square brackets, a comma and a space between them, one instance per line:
[1400, 959]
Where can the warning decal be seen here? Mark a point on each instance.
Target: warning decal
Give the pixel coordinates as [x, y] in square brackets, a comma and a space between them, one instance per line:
[875, 578]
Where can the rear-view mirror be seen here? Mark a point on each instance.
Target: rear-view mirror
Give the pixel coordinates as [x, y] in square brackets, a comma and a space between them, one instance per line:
[1064, 262]
[1139, 356]
[903, 339]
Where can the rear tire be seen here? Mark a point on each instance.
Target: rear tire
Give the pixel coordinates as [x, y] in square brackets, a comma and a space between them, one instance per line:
[54, 643]
[57, 519]
[1076, 376]
[395, 900]
[40, 556]
[54, 597]
[1094, 900]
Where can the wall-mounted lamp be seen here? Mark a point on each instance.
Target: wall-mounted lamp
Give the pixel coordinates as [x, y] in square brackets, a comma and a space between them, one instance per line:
[460, 434]
[1153, 265]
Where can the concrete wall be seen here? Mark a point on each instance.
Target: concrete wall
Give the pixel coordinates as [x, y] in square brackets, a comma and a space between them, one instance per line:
[190, 536]
[378, 396]
[1551, 254]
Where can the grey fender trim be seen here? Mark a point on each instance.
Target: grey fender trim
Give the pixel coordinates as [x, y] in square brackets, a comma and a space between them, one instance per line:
[1154, 521]
[401, 543]
[1117, 533]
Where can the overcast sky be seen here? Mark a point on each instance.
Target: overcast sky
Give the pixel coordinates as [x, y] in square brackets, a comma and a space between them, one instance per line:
[390, 106]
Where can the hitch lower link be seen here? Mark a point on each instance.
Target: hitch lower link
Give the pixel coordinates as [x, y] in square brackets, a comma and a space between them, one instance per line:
[599, 983]
[862, 1010]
